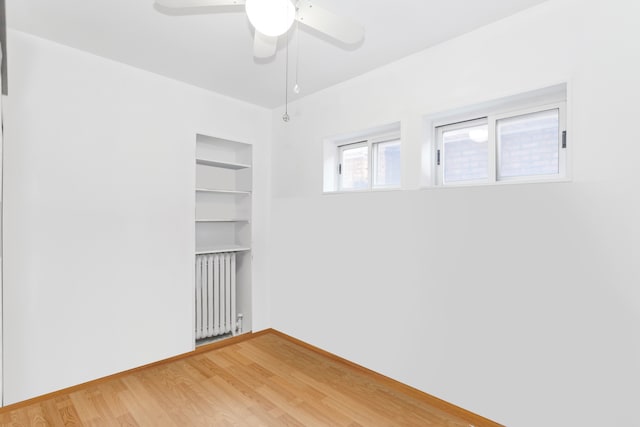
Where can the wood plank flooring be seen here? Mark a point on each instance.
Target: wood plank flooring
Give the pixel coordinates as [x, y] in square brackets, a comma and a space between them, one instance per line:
[266, 380]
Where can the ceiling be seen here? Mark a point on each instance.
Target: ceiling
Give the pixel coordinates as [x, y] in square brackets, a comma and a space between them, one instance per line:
[214, 51]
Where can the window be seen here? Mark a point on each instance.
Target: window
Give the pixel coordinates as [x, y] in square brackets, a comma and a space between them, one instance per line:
[519, 140]
[363, 161]
[378, 155]
[529, 145]
[464, 152]
[386, 164]
[353, 169]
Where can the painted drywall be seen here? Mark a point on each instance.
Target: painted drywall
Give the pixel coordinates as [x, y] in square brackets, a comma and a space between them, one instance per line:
[518, 302]
[99, 242]
[1, 155]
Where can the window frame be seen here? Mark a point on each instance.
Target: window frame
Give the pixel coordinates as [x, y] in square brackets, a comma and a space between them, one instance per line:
[371, 144]
[440, 151]
[351, 146]
[492, 117]
[562, 149]
[376, 142]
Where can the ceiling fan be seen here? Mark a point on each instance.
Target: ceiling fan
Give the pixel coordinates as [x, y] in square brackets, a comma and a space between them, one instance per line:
[272, 18]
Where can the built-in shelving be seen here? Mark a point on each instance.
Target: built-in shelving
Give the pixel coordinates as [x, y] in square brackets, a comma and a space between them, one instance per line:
[213, 191]
[222, 220]
[223, 200]
[220, 249]
[222, 164]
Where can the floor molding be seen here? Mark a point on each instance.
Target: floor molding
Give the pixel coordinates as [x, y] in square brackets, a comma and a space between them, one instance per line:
[475, 420]
[201, 349]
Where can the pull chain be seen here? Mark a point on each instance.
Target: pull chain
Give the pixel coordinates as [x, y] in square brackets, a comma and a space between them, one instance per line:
[296, 87]
[285, 116]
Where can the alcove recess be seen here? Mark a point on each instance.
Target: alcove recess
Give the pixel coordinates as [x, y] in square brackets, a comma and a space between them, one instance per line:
[223, 194]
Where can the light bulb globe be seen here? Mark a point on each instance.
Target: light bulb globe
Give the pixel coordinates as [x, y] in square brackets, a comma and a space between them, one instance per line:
[479, 135]
[270, 17]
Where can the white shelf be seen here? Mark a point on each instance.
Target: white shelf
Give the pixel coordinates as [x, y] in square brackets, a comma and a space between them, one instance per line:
[222, 220]
[208, 190]
[222, 164]
[221, 248]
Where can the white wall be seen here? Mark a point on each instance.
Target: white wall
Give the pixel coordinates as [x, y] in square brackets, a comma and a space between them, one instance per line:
[518, 302]
[99, 242]
[1, 155]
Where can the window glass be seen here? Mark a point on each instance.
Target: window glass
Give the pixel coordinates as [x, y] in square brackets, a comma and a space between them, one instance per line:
[386, 164]
[354, 164]
[529, 144]
[464, 154]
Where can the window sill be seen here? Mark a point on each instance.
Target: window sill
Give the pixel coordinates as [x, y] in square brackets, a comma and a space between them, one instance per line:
[373, 190]
[499, 183]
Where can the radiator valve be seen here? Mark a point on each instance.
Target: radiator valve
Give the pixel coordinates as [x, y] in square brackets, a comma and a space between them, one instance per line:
[239, 323]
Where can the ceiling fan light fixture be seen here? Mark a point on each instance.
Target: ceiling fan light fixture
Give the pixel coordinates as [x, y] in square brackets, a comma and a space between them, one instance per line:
[479, 134]
[271, 17]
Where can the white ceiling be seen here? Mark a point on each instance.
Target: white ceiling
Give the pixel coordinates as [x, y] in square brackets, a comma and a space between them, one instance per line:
[214, 51]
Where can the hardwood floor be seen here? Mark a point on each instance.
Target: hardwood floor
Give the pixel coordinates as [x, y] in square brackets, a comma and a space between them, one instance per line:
[266, 380]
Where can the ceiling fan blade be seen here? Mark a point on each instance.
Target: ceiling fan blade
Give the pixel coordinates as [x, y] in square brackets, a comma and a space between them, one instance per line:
[335, 26]
[264, 46]
[179, 4]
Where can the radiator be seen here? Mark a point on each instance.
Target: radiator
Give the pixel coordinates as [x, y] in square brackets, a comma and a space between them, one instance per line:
[215, 294]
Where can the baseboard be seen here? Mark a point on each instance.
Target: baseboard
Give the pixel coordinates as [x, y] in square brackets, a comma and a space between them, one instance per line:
[200, 349]
[473, 419]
